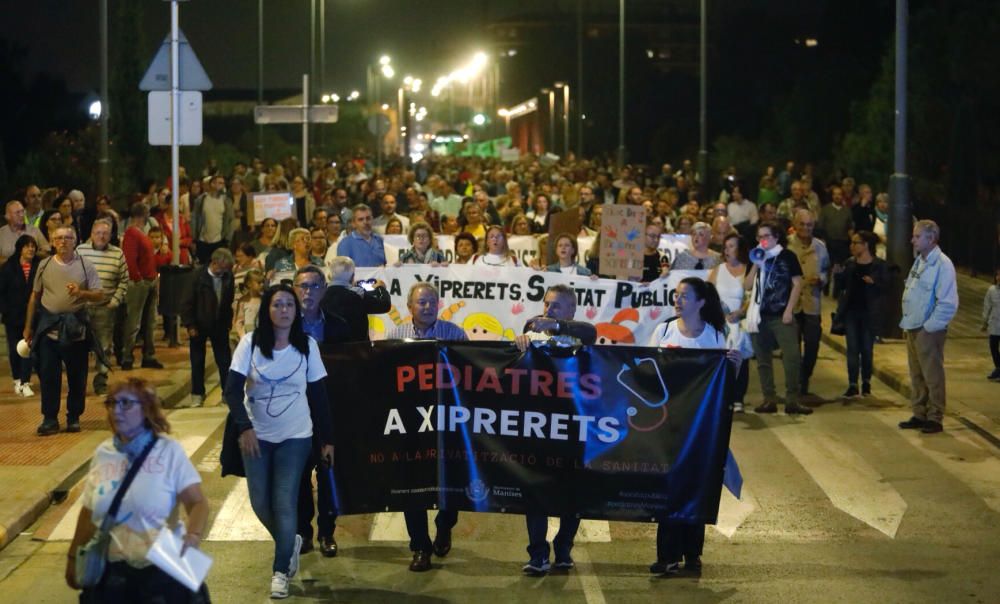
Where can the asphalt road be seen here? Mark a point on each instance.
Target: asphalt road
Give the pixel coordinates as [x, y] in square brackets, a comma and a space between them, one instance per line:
[840, 506]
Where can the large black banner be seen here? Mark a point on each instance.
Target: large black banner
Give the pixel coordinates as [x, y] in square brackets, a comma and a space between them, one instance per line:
[622, 433]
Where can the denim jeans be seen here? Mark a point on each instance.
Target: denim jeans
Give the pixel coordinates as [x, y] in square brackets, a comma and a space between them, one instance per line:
[538, 525]
[860, 342]
[273, 482]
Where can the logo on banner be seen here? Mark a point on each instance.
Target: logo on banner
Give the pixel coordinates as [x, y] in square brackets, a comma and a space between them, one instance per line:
[652, 393]
[477, 491]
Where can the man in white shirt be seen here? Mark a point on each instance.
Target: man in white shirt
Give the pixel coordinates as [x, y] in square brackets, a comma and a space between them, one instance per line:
[388, 205]
[212, 220]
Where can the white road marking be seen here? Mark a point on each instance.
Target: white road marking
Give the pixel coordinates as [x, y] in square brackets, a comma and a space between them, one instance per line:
[390, 526]
[588, 580]
[236, 520]
[850, 482]
[951, 451]
[733, 512]
[592, 531]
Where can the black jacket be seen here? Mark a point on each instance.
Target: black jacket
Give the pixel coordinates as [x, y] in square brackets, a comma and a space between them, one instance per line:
[15, 290]
[199, 306]
[874, 294]
[346, 313]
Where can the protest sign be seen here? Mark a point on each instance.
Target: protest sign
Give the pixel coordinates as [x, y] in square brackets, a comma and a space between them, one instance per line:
[622, 241]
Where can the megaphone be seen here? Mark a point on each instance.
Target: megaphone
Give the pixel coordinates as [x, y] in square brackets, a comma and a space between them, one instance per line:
[757, 255]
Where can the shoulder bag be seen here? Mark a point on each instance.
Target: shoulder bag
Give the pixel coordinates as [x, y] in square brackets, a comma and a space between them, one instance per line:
[92, 557]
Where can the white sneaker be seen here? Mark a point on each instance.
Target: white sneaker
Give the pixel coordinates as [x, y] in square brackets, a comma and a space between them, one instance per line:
[26, 390]
[293, 564]
[17, 387]
[279, 586]
[737, 407]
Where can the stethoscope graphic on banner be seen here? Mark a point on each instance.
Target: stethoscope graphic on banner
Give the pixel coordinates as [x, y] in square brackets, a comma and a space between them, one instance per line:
[660, 404]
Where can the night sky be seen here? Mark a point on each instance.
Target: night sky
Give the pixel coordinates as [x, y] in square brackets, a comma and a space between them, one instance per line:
[425, 37]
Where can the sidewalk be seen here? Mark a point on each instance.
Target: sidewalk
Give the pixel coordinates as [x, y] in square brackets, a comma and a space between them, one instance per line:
[972, 399]
[35, 470]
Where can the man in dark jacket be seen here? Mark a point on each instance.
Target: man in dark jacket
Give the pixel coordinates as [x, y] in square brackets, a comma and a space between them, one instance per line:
[207, 313]
[346, 307]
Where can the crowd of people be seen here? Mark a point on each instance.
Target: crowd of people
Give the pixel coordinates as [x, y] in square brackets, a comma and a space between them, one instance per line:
[280, 288]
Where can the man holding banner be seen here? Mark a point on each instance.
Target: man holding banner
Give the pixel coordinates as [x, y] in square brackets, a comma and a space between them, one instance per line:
[554, 325]
[422, 303]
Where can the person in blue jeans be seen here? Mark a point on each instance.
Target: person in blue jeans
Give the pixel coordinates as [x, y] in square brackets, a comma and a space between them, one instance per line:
[864, 281]
[276, 392]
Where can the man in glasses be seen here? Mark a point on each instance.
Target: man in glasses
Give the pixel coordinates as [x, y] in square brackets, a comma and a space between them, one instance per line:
[64, 284]
[310, 286]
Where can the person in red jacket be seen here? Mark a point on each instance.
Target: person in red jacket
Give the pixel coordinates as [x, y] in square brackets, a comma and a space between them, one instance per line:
[140, 300]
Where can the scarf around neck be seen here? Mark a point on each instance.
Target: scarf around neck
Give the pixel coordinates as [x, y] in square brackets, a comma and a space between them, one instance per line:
[134, 447]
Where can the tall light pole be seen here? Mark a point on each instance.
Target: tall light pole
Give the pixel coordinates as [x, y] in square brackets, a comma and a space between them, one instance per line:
[703, 105]
[307, 101]
[565, 116]
[322, 61]
[621, 83]
[552, 117]
[579, 79]
[260, 74]
[899, 252]
[104, 162]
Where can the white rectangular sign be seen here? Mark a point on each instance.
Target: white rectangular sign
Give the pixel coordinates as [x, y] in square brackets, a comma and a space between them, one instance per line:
[272, 205]
[190, 118]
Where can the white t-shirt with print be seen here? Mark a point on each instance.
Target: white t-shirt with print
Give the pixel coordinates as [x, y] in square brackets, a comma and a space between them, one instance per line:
[275, 392]
[149, 500]
[668, 335]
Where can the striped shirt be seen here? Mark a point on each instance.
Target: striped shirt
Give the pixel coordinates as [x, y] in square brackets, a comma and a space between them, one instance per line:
[440, 330]
[111, 268]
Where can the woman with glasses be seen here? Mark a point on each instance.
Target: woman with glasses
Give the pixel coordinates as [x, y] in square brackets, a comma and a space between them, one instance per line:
[276, 392]
[861, 306]
[422, 251]
[699, 257]
[166, 477]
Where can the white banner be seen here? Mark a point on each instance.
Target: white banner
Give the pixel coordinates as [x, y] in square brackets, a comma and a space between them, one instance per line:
[493, 303]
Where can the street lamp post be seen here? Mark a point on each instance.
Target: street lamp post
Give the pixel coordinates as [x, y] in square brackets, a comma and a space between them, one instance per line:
[703, 106]
[621, 83]
[260, 74]
[103, 162]
[552, 117]
[565, 116]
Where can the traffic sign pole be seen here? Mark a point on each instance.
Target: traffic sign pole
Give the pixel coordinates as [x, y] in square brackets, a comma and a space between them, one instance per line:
[175, 150]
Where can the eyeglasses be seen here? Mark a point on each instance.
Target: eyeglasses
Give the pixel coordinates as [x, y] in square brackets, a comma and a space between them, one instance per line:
[310, 286]
[124, 403]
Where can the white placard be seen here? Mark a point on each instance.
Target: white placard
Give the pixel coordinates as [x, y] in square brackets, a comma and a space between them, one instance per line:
[272, 205]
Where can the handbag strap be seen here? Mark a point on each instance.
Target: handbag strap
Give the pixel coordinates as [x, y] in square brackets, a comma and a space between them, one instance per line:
[126, 482]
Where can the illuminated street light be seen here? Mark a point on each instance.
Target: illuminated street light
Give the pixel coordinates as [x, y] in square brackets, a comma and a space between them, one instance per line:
[335, 97]
[385, 106]
[94, 111]
[384, 60]
[354, 95]
[325, 98]
[388, 71]
[479, 119]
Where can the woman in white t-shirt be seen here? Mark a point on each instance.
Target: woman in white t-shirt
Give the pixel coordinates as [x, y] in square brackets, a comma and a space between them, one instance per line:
[276, 392]
[699, 323]
[165, 477]
[497, 252]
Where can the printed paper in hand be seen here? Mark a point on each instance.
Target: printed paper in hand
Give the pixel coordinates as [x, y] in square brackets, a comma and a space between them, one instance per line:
[190, 570]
